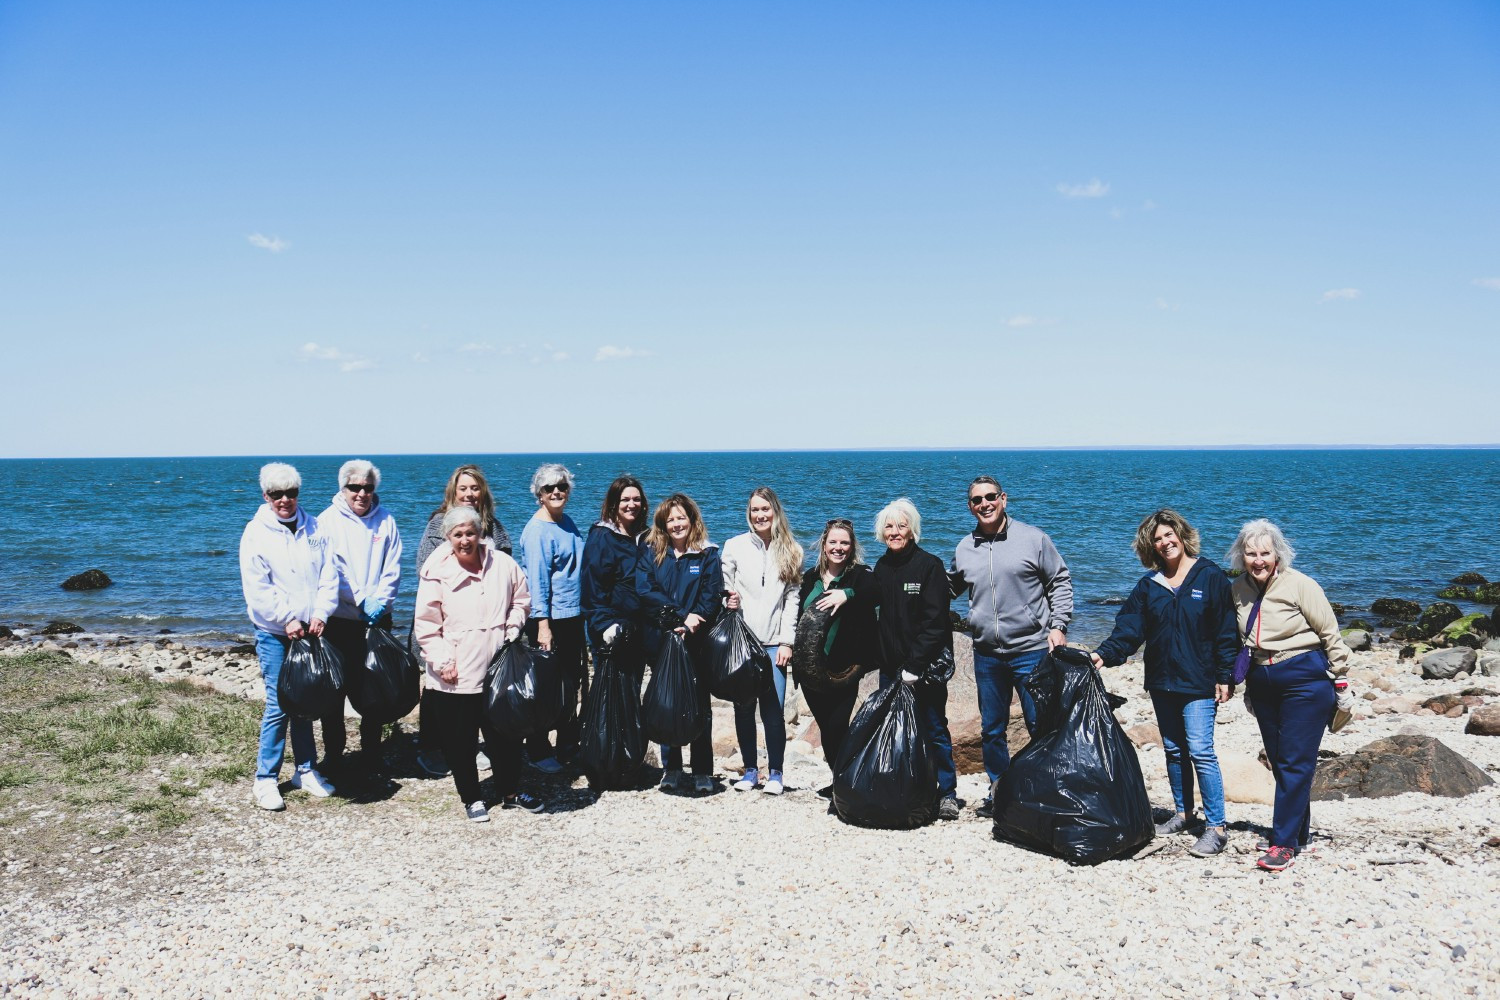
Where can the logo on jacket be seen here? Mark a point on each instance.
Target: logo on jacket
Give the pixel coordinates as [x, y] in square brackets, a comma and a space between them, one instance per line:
[694, 569]
[1197, 594]
[912, 588]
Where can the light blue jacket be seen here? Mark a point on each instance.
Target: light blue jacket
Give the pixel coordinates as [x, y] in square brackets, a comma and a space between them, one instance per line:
[552, 555]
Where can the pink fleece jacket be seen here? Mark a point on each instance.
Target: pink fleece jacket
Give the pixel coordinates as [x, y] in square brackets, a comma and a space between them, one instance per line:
[464, 618]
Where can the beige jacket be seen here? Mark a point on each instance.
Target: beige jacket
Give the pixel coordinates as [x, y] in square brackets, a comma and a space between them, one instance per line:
[1295, 617]
[464, 618]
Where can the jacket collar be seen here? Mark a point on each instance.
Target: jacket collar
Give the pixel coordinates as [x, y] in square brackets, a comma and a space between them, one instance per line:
[450, 572]
[266, 518]
[980, 538]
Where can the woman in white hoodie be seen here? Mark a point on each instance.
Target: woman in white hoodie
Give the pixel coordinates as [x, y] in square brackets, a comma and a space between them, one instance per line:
[291, 587]
[367, 552]
[762, 574]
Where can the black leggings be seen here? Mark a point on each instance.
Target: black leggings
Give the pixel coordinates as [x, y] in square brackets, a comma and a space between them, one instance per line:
[456, 721]
[571, 659]
[832, 709]
[348, 637]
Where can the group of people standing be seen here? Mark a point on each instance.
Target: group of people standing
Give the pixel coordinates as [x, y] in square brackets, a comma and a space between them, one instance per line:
[641, 573]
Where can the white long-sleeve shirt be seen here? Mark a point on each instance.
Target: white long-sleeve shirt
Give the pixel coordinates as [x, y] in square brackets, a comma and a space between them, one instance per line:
[288, 574]
[367, 554]
[768, 604]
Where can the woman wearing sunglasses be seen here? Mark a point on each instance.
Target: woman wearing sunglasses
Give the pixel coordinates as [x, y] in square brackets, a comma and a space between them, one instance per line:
[832, 652]
[552, 554]
[762, 568]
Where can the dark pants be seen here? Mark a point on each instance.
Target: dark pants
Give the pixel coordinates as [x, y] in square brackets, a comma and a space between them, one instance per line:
[572, 660]
[832, 709]
[348, 637]
[457, 720]
[1293, 700]
[932, 717]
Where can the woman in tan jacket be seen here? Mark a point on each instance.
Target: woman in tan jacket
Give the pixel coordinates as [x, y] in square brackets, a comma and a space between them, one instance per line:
[1292, 636]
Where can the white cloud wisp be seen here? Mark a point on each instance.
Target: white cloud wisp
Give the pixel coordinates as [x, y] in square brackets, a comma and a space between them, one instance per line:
[312, 351]
[1091, 189]
[274, 244]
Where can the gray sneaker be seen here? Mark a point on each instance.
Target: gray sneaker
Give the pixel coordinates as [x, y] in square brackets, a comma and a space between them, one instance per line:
[1176, 824]
[948, 808]
[1213, 841]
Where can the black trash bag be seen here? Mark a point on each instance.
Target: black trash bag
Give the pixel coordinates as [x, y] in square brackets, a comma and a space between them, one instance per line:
[612, 745]
[672, 712]
[1076, 789]
[884, 777]
[312, 679]
[737, 665]
[523, 691]
[386, 685]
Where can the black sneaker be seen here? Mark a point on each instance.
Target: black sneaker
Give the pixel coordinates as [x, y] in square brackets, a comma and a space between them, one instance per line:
[1276, 859]
[524, 800]
[986, 808]
[948, 808]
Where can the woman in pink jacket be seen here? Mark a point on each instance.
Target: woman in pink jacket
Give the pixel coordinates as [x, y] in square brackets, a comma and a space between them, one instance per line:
[471, 600]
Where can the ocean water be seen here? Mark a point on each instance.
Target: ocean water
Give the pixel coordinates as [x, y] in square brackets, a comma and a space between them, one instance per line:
[1366, 523]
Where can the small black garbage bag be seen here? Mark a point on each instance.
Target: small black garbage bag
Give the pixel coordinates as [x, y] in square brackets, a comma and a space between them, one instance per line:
[737, 665]
[612, 745]
[523, 690]
[1076, 789]
[673, 713]
[311, 684]
[884, 777]
[386, 685]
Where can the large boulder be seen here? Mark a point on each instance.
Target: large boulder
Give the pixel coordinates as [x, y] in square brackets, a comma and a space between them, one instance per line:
[1437, 616]
[1470, 630]
[1396, 765]
[964, 724]
[1246, 779]
[60, 628]
[1489, 664]
[1468, 579]
[1357, 639]
[89, 579]
[6, 633]
[1454, 592]
[1484, 721]
[1441, 664]
[1487, 593]
[1396, 609]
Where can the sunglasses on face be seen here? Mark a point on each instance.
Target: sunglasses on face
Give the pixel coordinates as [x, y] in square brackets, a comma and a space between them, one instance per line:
[839, 522]
[359, 487]
[979, 498]
[556, 488]
[278, 494]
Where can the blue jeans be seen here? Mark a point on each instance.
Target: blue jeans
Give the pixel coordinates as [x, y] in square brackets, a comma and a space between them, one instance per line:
[932, 716]
[1293, 700]
[770, 701]
[1188, 721]
[997, 676]
[271, 649]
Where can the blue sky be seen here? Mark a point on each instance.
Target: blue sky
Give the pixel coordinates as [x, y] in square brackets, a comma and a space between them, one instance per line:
[338, 228]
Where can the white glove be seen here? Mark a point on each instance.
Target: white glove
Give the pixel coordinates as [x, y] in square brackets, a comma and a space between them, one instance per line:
[610, 634]
[907, 677]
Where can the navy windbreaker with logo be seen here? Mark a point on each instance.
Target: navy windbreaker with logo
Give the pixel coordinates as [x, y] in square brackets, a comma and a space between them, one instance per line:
[1191, 636]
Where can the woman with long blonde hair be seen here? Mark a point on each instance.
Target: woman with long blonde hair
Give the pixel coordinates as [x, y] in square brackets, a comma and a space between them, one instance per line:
[762, 574]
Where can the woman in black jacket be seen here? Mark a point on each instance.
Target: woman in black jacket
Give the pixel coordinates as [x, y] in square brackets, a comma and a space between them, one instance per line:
[912, 587]
[1185, 614]
[835, 635]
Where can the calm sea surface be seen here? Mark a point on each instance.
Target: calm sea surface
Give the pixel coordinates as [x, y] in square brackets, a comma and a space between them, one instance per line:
[1365, 523]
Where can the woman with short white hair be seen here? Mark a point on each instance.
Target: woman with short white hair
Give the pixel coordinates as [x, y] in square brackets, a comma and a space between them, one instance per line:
[912, 632]
[291, 587]
[552, 553]
[471, 600]
[1295, 651]
[367, 552]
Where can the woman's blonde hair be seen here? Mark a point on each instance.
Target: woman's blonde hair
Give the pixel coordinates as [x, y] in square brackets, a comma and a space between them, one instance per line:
[856, 557]
[1145, 537]
[658, 538]
[486, 506]
[786, 551]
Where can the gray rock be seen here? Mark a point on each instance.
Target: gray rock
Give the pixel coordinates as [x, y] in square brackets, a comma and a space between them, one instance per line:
[89, 579]
[1396, 765]
[1441, 664]
[1484, 721]
[1358, 640]
[1489, 664]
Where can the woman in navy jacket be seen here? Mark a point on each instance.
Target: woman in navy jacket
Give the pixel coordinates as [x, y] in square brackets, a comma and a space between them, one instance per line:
[679, 582]
[1184, 613]
[607, 578]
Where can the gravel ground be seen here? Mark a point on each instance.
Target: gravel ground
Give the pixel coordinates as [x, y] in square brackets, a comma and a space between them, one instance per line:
[743, 894]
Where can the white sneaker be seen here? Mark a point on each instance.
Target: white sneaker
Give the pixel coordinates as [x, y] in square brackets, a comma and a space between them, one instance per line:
[671, 781]
[748, 781]
[267, 795]
[703, 784]
[311, 782]
[482, 761]
[774, 786]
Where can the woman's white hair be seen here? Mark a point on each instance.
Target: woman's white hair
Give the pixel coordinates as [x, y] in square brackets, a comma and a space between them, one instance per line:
[1254, 531]
[279, 476]
[549, 474]
[460, 515]
[899, 510]
[357, 470]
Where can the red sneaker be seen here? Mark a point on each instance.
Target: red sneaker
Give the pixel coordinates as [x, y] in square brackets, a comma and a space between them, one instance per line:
[1276, 859]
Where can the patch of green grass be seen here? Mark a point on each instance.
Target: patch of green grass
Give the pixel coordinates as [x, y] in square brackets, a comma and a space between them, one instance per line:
[225, 774]
[163, 813]
[16, 775]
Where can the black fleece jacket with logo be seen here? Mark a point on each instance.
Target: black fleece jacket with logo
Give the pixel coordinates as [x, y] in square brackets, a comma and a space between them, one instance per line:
[913, 628]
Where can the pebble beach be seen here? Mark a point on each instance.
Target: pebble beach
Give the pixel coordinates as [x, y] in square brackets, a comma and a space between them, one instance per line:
[744, 894]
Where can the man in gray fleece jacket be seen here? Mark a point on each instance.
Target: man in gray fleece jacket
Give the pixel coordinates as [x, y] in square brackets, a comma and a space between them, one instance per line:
[1020, 604]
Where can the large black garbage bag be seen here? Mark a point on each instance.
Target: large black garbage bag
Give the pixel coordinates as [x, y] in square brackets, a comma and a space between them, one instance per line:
[1076, 789]
[523, 690]
[672, 712]
[612, 746]
[386, 685]
[737, 665]
[884, 776]
[312, 679]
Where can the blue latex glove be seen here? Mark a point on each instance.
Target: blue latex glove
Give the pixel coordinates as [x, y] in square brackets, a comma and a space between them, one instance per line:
[372, 609]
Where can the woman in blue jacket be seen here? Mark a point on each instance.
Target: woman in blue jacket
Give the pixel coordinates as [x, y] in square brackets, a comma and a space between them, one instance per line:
[1185, 614]
[679, 581]
[607, 581]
